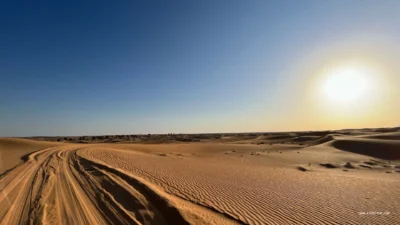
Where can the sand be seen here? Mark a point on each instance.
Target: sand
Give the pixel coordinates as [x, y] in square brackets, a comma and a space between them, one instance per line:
[14, 150]
[294, 178]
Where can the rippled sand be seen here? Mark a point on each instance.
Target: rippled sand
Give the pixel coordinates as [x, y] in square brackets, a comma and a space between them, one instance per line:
[328, 180]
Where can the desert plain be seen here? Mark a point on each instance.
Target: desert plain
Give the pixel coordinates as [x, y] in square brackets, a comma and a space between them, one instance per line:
[320, 177]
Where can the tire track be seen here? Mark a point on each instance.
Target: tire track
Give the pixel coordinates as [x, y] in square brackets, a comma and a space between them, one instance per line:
[258, 195]
[55, 186]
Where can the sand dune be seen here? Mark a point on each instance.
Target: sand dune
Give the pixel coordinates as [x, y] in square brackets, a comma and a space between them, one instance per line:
[387, 136]
[55, 186]
[335, 181]
[379, 148]
[13, 150]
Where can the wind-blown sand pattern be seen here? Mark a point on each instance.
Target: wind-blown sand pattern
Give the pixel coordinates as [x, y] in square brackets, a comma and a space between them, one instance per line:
[310, 179]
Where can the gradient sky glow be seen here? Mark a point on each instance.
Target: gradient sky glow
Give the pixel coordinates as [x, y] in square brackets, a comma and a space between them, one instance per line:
[88, 68]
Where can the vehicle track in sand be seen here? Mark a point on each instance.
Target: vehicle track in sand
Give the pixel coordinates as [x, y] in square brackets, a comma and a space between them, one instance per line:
[163, 184]
[55, 186]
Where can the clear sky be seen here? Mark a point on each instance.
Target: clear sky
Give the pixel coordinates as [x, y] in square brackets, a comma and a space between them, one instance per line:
[103, 67]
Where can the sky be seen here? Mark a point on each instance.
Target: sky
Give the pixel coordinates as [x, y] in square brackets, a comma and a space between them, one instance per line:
[138, 67]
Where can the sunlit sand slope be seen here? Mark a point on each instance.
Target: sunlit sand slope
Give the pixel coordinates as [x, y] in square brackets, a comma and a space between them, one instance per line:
[251, 192]
[56, 186]
[202, 183]
[13, 150]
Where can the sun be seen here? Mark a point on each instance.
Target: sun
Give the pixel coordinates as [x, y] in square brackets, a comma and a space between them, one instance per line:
[346, 84]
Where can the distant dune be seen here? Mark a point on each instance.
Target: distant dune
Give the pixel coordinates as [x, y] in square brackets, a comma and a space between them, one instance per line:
[385, 136]
[336, 177]
[379, 148]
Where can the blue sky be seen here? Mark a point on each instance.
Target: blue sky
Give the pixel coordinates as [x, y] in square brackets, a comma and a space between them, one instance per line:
[99, 67]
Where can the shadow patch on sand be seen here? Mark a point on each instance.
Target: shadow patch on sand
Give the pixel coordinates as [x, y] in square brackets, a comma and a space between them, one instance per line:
[302, 169]
[349, 166]
[383, 149]
[328, 165]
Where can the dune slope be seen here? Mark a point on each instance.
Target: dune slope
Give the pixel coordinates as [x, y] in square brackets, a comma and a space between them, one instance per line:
[204, 183]
[13, 150]
[379, 148]
[55, 187]
[249, 191]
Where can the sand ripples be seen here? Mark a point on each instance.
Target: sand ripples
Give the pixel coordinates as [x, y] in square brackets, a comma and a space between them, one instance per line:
[253, 194]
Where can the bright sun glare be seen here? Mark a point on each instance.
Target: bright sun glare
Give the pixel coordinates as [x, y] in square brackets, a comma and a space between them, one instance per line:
[346, 84]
